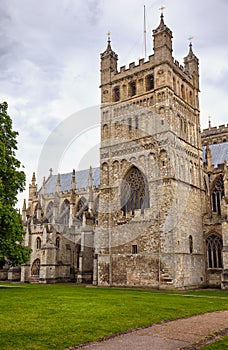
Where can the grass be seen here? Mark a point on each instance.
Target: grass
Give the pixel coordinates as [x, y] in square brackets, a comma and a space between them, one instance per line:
[45, 317]
[220, 344]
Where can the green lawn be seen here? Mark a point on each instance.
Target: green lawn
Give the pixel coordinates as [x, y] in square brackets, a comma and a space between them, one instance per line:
[218, 345]
[58, 316]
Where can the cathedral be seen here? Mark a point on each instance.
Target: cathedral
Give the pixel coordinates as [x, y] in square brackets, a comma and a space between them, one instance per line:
[154, 214]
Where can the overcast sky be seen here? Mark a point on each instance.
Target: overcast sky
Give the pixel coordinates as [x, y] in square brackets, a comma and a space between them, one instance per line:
[50, 57]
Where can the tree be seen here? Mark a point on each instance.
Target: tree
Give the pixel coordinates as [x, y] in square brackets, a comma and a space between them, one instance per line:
[12, 181]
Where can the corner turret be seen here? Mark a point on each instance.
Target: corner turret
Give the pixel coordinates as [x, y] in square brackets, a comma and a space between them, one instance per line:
[191, 64]
[109, 61]
[33, 188]
[162, 42]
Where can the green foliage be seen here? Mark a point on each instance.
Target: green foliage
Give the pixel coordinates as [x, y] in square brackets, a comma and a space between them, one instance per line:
[12, 181]
[58, 316]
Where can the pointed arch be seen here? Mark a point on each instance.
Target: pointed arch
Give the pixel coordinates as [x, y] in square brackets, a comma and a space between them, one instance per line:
[38, 243]
[217, 193]
[35, 269]
[57, 242]
[149, 82]
[214, 246]
[49, 211]
[65, 212]
[81, 206]
[134, 191]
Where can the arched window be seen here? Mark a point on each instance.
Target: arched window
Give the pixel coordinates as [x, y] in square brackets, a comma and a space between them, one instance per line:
[149, 82]
[49, 211]
[105, 132]
[130, 124]
[134, 191]
[190, 97]
[136, 122]
[65, 212]
[35, 270]
[116, 94]
[174, 85]
[182, 91]
[38, 243]
[217, 194]
[81, 206]
[190, 244]
[132, 88]
[214, 251]
[57, 242]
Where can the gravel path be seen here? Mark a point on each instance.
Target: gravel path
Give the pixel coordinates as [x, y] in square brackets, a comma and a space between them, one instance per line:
[172, 335]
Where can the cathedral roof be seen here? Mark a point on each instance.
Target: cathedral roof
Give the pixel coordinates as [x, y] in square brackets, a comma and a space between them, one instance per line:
[219, 153]
[82, 177]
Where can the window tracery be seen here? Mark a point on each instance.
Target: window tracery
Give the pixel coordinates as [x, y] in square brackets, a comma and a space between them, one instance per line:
[35, 270]
[134, 194]
[214, 251]
[216, 195]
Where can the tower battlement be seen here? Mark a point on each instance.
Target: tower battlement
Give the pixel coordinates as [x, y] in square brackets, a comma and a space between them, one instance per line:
[216, 134]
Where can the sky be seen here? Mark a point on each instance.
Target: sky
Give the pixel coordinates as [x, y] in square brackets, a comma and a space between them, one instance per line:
[50, 62]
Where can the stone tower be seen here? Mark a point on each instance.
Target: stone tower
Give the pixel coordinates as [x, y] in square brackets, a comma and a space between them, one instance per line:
[151, 195]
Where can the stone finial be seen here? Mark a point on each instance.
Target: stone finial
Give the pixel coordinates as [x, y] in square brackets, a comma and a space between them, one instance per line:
[109, 48]
[58, 184]
[33, 179]
[24, 206]
[209, 122]
[44, 186]
[33, 188]
[109, 51]
[90, 189]
[73, 181]
[162, 26]
[190, 56]
[90, 177]
[50, 172]
[208, 157]
[24, 211]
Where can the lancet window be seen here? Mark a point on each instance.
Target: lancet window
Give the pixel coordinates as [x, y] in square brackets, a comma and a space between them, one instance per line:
[132, 88]
[116, 94]
[149, 82]
[38, 243]
[217, 194]
[214, 251]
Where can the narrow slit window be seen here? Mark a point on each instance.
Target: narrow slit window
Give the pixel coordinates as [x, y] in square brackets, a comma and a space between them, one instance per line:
[134, 249]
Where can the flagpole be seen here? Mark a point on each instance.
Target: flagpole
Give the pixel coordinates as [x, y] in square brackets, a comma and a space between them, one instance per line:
[145, 53]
